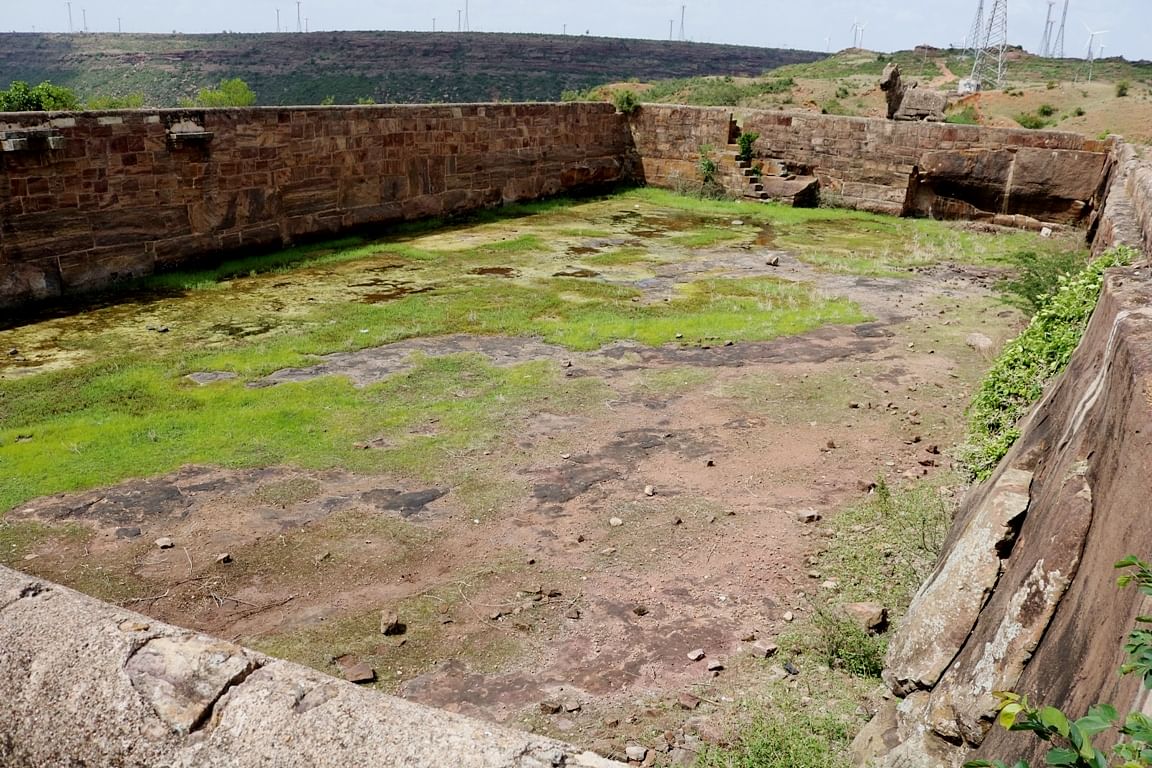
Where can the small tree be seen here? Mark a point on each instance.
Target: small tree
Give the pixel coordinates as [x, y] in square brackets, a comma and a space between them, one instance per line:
[231, 93]
[626, 102]
[1122, 88]
[45, 97]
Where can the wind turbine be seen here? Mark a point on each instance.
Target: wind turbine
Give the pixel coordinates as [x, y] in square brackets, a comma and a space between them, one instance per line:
[858, 34]
[1091, 45]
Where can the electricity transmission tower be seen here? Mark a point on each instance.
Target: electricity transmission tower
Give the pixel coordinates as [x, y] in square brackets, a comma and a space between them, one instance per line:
[1058, 46]
[1046, 40]
[988, 68]
[972, 44]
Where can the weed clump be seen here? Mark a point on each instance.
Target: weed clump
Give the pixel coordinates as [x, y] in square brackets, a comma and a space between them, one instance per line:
[1029, 362]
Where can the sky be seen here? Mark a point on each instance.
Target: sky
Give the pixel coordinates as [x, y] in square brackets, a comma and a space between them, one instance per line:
[808, 24]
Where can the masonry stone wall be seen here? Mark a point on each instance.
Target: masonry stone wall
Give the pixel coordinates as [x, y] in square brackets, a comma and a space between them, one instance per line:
[89, 198]
[862, 163]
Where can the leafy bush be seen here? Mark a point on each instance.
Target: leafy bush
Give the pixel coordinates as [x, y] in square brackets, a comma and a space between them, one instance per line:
[841, 643]
[1079, 112]
[626, 101]
[1038, 276]
[1074, 737]
[1029, 362]
[1029, 120]
[784, 740]
[1046, 110]
[1122, 88]
[231, 93]
[746, 141]
[966, 116]
[131, 101]
[45, 97]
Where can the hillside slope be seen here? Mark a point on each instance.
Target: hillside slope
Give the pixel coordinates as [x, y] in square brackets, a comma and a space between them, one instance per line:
[403, 67]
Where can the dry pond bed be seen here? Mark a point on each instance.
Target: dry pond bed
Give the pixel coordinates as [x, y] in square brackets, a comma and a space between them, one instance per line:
[560, 449]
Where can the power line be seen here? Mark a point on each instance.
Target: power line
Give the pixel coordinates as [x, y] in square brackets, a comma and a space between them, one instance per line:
[1046, 40]
[1058, 47]
[976, 34]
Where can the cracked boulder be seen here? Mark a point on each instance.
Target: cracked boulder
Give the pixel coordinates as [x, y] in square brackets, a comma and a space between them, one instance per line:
[183, 677]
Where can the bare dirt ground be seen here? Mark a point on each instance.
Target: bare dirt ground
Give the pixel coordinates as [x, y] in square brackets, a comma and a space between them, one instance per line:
[663, 520]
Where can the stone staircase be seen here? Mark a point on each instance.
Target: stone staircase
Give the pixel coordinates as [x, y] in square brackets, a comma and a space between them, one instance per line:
[772, 181]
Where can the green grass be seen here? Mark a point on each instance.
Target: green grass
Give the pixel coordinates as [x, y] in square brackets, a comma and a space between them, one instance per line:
[787, 734]
[133, 419]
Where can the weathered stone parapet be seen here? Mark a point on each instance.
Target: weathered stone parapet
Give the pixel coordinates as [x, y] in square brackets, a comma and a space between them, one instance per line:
[112, 195]
[1024, 597]
[83, 683]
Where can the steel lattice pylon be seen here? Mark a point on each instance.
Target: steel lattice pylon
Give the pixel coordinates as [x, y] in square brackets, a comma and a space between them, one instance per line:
[976, 34]
[988, 69]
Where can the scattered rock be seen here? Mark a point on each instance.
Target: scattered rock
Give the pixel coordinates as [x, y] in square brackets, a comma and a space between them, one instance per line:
[572, 705]
[789, 616]
[127, 533]
[765, 650]
[223, 558]
[710, 463]
[572, 613]
[677, 521]
[687, 701]
[791, 668]
[636, 752]
[933, 449]
[390, 624]
[808, 516]
[165, 543]
[649, 490]
[322, 557]
[360, 673]
[748, 636]
[831, 445]
[772, 261]
[615, 522]
[608, 551]
[854, 405]
[696, 655]
[831, 585]
[13, 352]
[640, 610]
[980, 343]
[865, 486]
[871, 617]
[715, 666]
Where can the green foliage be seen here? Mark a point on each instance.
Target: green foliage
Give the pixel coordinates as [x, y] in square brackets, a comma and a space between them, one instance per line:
[1046, 110]
[716, 91]
[131, 101]
[746, 141]
[1079, 112]
[966, 116]
[840, 643]
[1038, 276]
[1031, 121]
[626, 101]
[1072, 740]
[45, 97]
[784, 739]
[365, 100]
[1122, 88]
[1029, 362]
[328, 101]
[710, 186]
[233, 92]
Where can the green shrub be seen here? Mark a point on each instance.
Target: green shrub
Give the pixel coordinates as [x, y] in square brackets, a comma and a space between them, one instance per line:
[1029, 362]
[1079, 112]
[626, 101]
[45, 97]
[1046, 110]
[1038, 276]
[746, 141]
[231, 93]
[131, 101]
[784, 739]
[1029, 120]
[966, 116]
[1122, 88]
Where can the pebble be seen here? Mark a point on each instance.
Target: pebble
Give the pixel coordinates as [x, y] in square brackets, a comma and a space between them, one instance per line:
[649, 490]
[789, 616]
[615, 522]
[223, 558]
[640, 610]
[572, 705]
[710, 463]
[677, 521]
[687, 701]
[550, 707]
[573, 613]
[360, 673]
[390, 624]
[765, 650]
[808, 516]
[696, 655]
[635, 752]
[165, 543]
[773, 261]
[791, 668]
[715, 666]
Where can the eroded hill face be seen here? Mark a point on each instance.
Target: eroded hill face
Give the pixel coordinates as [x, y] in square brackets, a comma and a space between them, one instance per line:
[392, 67]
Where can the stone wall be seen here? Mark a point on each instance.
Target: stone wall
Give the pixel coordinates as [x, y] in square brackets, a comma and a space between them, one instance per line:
[1024, 596]
[83, 683]
[93, 197]
[868, 163]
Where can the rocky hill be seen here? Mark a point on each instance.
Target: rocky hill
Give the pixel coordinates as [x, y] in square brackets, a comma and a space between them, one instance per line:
[406, 67]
